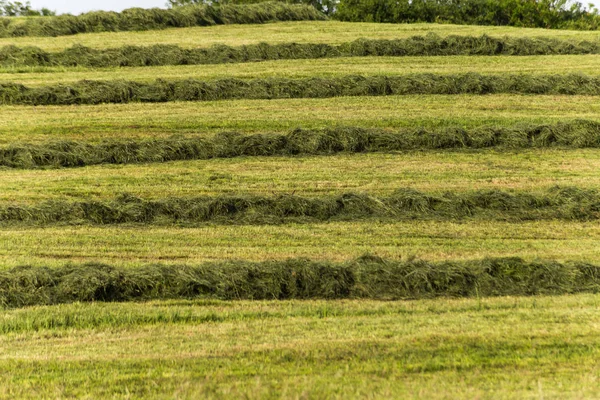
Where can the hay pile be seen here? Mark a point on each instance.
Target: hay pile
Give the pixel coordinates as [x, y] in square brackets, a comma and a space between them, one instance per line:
[157, 55]
[120, 91]
[365, 278]
[140, 19]
[572, 134]
[566, 203]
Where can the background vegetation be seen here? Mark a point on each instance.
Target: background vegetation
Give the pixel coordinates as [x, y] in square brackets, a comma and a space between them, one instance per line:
[22, 9]
[555, 14]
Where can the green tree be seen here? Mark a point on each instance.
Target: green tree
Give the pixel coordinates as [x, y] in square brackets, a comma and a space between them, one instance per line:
[17, 8]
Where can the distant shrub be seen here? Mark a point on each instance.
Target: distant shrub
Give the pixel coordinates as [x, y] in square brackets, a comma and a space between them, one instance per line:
[554, 14]
[19, 9]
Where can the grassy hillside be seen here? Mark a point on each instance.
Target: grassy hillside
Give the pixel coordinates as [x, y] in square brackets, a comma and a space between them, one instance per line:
[427, 349]
[376, 174]
[135, 245]
[470, 175]
[335, 67]
[114, 121]
[332, 32]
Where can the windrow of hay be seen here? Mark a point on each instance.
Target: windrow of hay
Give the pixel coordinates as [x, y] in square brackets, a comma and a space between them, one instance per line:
[566, 203]
[139, 19]
[368, 277]
[120, 91]
[429, 45]
[572, 134]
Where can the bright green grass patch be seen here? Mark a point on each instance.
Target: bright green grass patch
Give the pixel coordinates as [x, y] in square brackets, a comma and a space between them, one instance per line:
[134, 245]
[33, 124]
[332, 32]
[329, 67]
[486, 348]
[378, 174]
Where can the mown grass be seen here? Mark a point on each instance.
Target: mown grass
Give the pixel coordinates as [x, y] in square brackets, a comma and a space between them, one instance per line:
[329, 67]
[161, 90]
[480, 348]
[333, 32]
[30, 124]
[135, 245]
[486, 348]
[139, 19]
[578, 134]
[30, 59]
[564, 203]
[367, 277]
[377, 174]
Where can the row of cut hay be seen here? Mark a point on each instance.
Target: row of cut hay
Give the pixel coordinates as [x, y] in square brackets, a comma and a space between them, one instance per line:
[572, 134]
[430, 45]
[368, 277]
[120, 91]
[566, 203]
[139, 19]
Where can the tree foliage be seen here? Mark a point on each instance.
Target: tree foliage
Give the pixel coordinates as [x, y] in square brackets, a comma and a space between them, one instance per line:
[17, 8]
[555, 14]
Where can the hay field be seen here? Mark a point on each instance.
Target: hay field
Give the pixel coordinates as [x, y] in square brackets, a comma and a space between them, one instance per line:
[296, 224]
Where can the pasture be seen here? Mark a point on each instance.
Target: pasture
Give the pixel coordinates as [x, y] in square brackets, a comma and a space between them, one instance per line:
[298, 209]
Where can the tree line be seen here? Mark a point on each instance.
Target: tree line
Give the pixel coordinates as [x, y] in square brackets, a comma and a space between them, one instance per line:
[20, 9]
[554, 14]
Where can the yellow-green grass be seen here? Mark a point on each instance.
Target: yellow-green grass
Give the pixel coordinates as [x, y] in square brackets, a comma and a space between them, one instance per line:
[540, 347]
[332, 32]
[328, 67]
[378, 174]
[135, 245]
[34, 124]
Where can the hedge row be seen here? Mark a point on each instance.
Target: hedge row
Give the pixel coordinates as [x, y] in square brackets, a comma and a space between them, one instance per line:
[553, 14]
[368, 277]
[573, 134]
[119, 91]
[429, 45]
[566, 203]
[139, 19]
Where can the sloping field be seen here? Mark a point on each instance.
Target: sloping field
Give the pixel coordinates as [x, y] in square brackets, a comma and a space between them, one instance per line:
[330, 32]
[330, 67]
[381, 213]
[193, 119]
[427, 349]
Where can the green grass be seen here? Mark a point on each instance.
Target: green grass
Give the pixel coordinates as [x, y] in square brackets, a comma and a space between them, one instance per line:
[30, 124]
[540, 347]
[333, 32]
[378, 174]
[491, 348]
[330, 67]
[134, 245]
